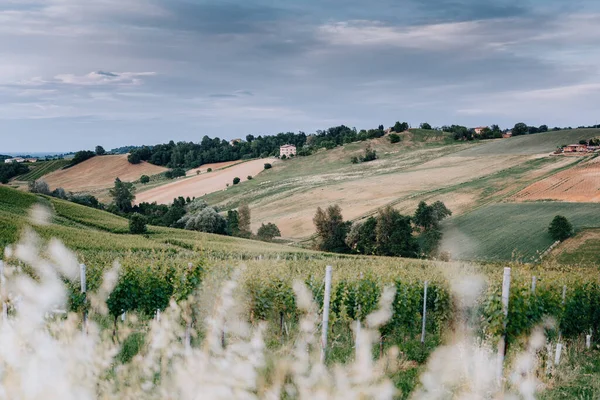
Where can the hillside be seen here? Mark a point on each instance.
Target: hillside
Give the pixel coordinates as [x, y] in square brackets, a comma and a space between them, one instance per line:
[208, 182]
[99, 173]
[512, 231]
[415, 169]
[539, 143]
[42, 168]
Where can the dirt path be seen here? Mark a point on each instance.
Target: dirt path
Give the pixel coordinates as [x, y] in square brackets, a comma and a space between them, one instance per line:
[199, 185]
[214, 166]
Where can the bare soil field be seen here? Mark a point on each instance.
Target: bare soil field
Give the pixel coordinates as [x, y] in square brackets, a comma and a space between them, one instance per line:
[578, 184]
[214, 166]
[200, 185]
[99, 173]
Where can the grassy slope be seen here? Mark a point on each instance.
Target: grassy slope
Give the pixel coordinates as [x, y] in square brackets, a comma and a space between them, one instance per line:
[532, 144]
[41, 168]
[508, 231]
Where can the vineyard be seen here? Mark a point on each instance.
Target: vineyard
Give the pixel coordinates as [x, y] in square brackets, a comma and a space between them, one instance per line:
[42, 168]
[170, 264]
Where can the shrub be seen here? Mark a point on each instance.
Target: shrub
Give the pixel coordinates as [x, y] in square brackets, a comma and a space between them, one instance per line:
[60, 193]
[209, 170]
[236, 180]
[354, 160]
[394, 138]
[80, 157]
[283, 157]
[40, 187]
[144, 179]
[137, 224]
[268, 232]
[208, 220]
[100, 151]
[560, 228]
[250, 177]
[268, 166]
[370, 154]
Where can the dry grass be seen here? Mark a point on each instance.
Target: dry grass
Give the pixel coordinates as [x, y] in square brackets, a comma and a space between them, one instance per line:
[100, 173]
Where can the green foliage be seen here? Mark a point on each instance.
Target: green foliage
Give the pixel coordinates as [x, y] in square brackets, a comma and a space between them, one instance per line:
[9, 171]
[400, 127]
[268, 166]
[236, 180]
[131, 347]
[362, 237]
[519, 129]
[394, 138]
[331, 229]
[245, 221]
[560, 228]
[209, 170]
[394, 234]
[80, 157]
[137, 224]
[144, 179]
[370, 154]
[250, 177]
[425, 126]
[100, 151]
[174, 173]
[123, 195]
[233, 223]
[268, 232]
[39, 187]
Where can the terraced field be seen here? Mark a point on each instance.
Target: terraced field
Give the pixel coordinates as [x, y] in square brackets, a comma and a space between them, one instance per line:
[512, 231]
[41, 168]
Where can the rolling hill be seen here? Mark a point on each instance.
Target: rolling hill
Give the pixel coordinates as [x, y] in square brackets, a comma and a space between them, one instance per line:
[539, 143]
[99, 173]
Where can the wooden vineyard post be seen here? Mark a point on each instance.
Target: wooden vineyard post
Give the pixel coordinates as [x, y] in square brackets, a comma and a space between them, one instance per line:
[326, 301]
[2, 283]
[424, 312]
[358, 326]
[502, 344]
[533, 283]
[83, 281]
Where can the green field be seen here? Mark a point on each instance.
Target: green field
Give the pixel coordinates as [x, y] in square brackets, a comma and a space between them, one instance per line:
[512, 231]
[41, 168]
[531, 144]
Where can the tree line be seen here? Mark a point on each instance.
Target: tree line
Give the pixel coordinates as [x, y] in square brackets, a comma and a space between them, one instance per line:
[389, 233]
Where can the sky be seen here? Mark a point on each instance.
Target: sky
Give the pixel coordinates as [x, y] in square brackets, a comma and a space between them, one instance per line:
[77, 73]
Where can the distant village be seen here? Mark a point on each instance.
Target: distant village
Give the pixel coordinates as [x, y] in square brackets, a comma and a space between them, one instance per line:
[20, 160]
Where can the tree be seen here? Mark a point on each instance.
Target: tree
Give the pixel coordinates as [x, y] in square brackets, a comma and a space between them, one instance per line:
[81, 156]
[249, 138]
[362, 237]
[268, 232]
[583, 141]
[244, 221]
[560, 228]
[123, 195]
[236, 180]
[394, 138]
[137, 224]
[144, 179]
[233, 223]
[543, 128]
[394, 234]
[249, 177]
[400, 126]
[209, 170]
[331, 229]
[100, 151]
[134, 158]
[268, 166]
[39, 186]
[520, 129]
[207, 220]
[425, 125]
[370, 154]
[428, 218]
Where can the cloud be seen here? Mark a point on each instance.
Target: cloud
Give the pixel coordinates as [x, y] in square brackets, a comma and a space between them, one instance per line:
[98, 78]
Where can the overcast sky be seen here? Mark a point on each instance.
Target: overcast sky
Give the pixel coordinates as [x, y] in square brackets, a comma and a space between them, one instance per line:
[76, 73]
